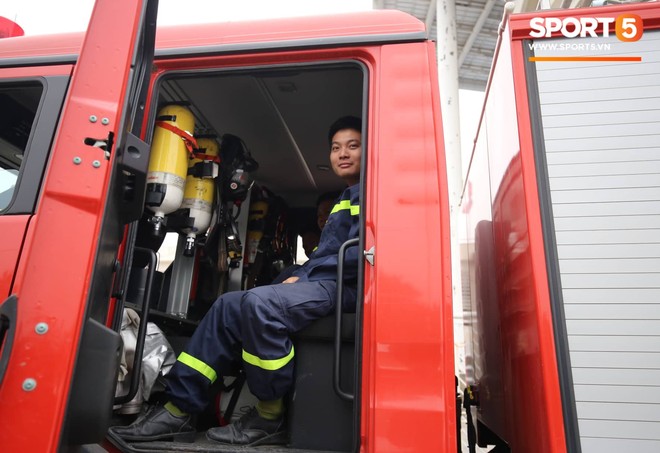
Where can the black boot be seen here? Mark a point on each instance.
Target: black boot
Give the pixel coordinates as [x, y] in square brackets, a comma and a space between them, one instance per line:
[157, 424]
[250, 429]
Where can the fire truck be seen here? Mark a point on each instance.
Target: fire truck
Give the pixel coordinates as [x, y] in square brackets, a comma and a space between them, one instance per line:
[113, 141]
[216, 135]
[560, 246]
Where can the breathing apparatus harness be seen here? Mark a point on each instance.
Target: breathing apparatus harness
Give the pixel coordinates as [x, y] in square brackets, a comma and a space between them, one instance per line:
[232, 189]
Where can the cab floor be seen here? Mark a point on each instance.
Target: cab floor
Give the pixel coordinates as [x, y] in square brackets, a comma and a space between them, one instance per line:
[201, 445]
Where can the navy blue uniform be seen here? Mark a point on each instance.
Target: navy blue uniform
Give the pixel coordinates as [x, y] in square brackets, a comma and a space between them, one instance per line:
[251, 329]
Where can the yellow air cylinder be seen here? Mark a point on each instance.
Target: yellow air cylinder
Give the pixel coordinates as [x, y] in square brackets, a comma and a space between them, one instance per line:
[198, 193]
[255, 230]
[168, 163]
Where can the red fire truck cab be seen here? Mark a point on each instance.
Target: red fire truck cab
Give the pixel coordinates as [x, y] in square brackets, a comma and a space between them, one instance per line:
[84, 129]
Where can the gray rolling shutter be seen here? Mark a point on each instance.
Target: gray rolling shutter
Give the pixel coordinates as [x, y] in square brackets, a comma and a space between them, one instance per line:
[601, 124]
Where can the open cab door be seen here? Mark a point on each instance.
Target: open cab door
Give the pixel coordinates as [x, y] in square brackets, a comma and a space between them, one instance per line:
[58, 359]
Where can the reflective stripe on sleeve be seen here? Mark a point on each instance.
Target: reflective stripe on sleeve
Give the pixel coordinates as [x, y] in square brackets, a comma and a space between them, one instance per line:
[346, 204]
[198, 366]
[270, 365]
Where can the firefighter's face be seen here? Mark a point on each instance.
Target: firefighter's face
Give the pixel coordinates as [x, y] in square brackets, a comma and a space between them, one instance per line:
[345, 153]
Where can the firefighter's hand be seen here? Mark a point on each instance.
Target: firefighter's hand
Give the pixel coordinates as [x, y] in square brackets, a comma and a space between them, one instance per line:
[291, 280]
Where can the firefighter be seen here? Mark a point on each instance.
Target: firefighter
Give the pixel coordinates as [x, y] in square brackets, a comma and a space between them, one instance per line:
[311, 234]
[324, 205]
[251, 329]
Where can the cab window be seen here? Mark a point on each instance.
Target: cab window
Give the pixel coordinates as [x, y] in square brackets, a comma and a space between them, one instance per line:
[18, 109]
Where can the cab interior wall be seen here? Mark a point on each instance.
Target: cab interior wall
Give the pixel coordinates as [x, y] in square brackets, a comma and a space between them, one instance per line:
[281, 113]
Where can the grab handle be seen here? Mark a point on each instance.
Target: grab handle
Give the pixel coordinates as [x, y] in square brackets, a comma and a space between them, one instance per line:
[142, 330]
[338, 312]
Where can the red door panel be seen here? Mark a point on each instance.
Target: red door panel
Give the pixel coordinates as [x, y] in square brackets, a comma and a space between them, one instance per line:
[57, 269]
[13, 230]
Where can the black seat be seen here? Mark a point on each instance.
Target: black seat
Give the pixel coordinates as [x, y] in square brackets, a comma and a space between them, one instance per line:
[318, 417]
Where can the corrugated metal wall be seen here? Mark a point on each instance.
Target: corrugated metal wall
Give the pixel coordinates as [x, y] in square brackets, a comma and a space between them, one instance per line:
[601, 123]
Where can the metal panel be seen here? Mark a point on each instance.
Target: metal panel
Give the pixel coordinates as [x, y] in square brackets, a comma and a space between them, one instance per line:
[637, 280]
[605, 181]
[601, 123]
[607, 222]
[602, 118]
[622, 128]
[613, 251]
[601, 195]
[586, 343]
[620, 105]
[604, 445]
[608, 359]
[631, 411]
[620, 327]
[615, 376]
[633, 207]
[617, 311]
[609, 142]
[610, 295]
[607, 237]
[620, 265]
[641, 429]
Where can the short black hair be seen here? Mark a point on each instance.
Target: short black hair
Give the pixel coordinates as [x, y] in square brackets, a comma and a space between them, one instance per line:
[345, 122]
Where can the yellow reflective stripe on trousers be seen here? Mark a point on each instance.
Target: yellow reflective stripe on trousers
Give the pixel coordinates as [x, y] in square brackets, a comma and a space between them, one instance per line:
[198, 366]
[270, 365]
[346, 204]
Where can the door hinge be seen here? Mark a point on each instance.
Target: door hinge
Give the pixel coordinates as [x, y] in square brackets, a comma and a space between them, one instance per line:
[370, 255]
[104, 144]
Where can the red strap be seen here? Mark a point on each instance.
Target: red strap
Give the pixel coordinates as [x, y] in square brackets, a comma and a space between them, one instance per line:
[206, 157]
[187, 137]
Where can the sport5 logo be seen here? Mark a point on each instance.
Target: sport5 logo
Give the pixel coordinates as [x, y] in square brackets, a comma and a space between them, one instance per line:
[627, 27]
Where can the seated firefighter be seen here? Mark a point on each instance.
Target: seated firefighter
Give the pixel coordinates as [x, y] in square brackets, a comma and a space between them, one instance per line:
[251, 329]
[311, 234]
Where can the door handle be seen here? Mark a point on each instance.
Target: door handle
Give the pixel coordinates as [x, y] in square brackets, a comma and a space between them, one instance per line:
[338, 312]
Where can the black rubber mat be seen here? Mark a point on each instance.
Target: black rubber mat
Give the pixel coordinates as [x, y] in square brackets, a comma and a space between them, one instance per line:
[201, 445]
